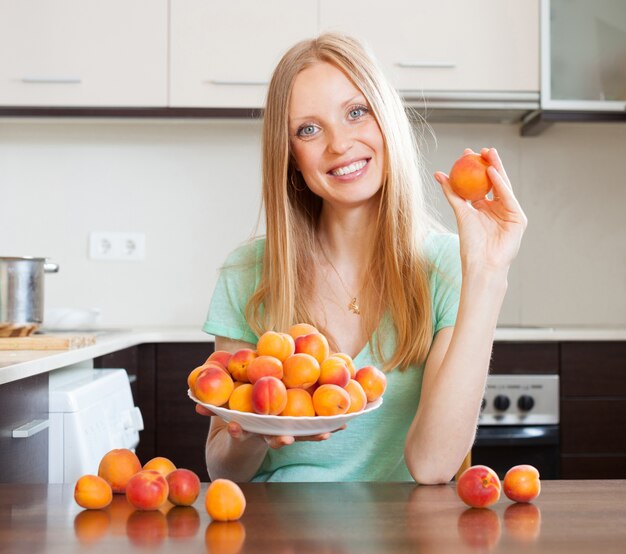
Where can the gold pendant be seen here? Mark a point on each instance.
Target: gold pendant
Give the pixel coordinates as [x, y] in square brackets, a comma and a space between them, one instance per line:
[354, 307]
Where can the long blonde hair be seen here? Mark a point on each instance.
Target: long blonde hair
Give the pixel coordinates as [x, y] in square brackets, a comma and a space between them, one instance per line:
[397, 269]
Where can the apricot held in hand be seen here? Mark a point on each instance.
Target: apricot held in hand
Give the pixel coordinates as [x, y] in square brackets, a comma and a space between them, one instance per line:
[478, 486]
[469, 178]
[522, 484]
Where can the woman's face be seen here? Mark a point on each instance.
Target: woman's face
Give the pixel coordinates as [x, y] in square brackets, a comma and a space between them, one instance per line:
[336, 142]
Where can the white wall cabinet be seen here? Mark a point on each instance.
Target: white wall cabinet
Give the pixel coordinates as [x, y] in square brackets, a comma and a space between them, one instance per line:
[83, 52]
[223, 53]
[448, 45]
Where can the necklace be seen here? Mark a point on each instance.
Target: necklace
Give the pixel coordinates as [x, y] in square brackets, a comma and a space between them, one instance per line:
[353, 305]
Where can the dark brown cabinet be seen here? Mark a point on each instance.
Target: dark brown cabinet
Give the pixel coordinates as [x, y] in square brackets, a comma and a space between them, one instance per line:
[24, 403]
[158, 374]
[593, 410]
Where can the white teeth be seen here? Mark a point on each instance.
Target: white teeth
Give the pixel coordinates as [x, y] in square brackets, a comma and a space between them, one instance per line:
[349, 168]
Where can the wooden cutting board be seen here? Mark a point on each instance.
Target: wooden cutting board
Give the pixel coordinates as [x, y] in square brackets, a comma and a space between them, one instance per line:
[60, 341]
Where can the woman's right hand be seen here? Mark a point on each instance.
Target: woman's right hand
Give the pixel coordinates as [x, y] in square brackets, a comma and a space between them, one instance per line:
[273, 441]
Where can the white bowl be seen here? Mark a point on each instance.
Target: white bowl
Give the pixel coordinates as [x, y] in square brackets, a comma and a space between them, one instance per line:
[286, 425]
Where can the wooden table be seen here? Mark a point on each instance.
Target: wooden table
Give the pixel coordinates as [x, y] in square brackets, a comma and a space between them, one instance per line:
[295, 518]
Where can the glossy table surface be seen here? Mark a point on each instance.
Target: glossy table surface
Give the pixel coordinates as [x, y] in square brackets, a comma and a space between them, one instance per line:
[295, 518]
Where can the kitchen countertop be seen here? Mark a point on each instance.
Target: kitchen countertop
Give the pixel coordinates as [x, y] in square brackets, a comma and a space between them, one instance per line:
[19, 364]
[288, 518]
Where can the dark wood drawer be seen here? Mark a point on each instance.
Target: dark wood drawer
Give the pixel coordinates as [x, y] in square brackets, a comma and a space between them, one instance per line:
[593, 369]
[529, 357]
[24, 460]
[593, 426]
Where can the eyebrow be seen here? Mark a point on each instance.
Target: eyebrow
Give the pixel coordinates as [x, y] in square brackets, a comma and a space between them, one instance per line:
[356, 98]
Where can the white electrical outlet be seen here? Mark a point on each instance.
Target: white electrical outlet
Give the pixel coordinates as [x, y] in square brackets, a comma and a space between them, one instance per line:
[116, 246]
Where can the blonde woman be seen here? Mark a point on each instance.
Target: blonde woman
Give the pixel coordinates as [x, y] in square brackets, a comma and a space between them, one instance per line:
[351, 248]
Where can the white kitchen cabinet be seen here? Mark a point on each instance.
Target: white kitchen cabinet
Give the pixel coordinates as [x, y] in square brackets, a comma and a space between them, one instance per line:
[449, 45]
[83, 52]
[222, 53]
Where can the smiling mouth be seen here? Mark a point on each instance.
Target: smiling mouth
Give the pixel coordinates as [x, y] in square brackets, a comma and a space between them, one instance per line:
[348, 169]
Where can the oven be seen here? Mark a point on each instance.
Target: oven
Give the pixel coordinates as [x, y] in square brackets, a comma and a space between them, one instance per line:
[519, 424]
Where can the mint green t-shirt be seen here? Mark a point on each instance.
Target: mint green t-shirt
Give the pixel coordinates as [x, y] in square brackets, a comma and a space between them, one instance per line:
[371, 448]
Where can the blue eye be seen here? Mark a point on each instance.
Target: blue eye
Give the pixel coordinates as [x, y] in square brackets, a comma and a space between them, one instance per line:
[357, 112]
[306, 131]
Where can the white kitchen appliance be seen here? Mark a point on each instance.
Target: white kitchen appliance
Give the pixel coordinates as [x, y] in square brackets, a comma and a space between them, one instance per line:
[91, 412]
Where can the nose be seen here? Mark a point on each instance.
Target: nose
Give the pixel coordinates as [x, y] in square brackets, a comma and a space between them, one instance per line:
[339, 139]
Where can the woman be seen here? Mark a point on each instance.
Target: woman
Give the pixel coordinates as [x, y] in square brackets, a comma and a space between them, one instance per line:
[351, 248]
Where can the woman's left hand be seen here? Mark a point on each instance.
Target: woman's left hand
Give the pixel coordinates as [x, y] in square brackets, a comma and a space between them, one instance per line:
[490, 230]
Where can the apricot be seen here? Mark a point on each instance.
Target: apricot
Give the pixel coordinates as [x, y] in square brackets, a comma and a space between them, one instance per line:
[358, 399]
[147, 490]
[278, 345]
[220, 356]
[225, 537]
[349, 362]
[92, 492]
[469, 178]
[146, 529]
[163, 465]
[91, 526]
[184, 487]
[522, 521]
[521, 483]
[195, 373]
[300, 370]
[239, 362]
[329, 400]
[300, 329]
[299, 403]
[314, 344]
[182, 522]
[478, 486]
[334, 371]
[269, 396]
[241, 398]
[373, 381]
[264, 365]
[117, 466]
[213, 386]
[224, 500]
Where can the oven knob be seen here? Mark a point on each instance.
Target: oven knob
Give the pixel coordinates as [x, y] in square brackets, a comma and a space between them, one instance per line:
[525, 403]
[501, 402]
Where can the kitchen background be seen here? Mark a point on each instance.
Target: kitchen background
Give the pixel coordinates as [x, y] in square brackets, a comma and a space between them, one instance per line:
[193, 188]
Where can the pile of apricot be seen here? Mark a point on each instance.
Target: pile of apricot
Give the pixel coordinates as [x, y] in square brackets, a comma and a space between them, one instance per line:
[151, 486]
[288, 374]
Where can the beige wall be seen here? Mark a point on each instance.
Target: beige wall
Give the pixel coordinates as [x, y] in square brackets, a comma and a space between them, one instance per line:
[193, 189]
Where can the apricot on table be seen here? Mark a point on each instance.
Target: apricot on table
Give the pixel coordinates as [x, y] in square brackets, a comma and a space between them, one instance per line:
[163, 465]
[479, 486]
[117, 466]
[521, 483]
[92, 492]
[184, 487]
[147, 490]
[469, 178]
[224, 500]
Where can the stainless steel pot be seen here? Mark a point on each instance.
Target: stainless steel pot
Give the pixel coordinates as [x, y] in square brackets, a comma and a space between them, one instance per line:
[22, 293]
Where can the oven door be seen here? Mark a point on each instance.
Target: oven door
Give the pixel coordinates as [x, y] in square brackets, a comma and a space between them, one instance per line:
[503, 446]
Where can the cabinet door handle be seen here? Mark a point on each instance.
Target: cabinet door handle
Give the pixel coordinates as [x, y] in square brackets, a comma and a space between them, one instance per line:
[426, 65]
[227, 82]
[51, 80]
[31, 428]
